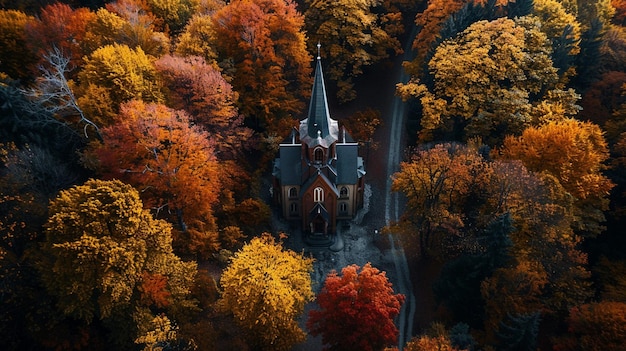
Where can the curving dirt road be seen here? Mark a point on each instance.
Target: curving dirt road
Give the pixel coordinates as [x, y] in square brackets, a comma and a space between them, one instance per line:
[397, 117]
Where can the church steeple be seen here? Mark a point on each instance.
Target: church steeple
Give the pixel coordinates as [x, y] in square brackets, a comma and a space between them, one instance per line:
[319, 128]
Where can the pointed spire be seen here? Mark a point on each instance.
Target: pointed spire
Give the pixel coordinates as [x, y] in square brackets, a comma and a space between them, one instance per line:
[319, 128]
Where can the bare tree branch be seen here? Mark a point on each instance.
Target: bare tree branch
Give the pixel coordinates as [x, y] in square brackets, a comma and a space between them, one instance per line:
[53, 91]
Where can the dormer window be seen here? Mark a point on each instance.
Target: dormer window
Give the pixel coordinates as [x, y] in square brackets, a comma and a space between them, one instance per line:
[293, 193]
[343, 192]
[318, 194]
[318, 155]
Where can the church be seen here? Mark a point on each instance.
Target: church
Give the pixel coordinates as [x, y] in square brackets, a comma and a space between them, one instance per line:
[318, 176]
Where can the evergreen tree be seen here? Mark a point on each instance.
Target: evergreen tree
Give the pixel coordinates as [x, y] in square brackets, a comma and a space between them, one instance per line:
[460, 337]
[562, 49]
[458, 286]
[520, 332]
[519, 8]
[587, 61]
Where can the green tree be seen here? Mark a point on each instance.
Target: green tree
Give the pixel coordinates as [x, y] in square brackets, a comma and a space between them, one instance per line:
[266, 287]
[520, 333]
[353, 35]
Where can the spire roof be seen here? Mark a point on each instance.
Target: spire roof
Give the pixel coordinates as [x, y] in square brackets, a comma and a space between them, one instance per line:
[319, 128]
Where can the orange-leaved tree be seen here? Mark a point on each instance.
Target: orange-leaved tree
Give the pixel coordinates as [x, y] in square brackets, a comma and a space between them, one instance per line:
[200, 89]
[266, 42]
[266, 287]
[171, 162]
[61, 27]
[357, 310]
[595, 326]
[574, 153]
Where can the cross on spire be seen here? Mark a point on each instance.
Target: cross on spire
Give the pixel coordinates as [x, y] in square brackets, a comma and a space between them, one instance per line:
[318, 50]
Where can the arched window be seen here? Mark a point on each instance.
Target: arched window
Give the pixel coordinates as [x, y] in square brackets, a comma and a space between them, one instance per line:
[318, 155]
[318, 195]
[293, 192]
[343, 207]
[343, 192]
[293, 208]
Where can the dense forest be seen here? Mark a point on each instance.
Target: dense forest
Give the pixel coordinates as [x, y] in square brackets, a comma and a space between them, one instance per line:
[135, 134]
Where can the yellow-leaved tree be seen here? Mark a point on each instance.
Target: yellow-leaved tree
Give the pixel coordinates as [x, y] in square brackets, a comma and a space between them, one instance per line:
[266, 287]
[115, 74]
[495, 78]
[100, 252]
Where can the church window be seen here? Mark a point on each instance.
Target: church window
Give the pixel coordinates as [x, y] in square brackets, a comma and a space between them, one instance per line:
[293, 208]
[318, 155]
[343, 207]
[293, 192]
[343, 192]
[318, 195]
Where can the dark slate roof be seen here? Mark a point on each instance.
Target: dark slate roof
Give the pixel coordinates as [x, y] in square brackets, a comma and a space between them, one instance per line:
[289, 164]
[319, 210]
[347, 163]
[319, 128]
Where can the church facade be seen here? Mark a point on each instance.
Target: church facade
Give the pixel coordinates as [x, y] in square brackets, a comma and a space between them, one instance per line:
[318, 176]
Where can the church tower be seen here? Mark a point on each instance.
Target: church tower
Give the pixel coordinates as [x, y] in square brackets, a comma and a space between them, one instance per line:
[318, 176]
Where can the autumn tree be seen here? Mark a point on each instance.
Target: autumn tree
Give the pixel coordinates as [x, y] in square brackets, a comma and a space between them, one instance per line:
[353, 36]
[620, 12]
[63, 28]
[357, 309]
[487, 81]
[200, 89]
[125, 23]
[362, 125]
[100, 247]
[18, 59]
[602, 98]
[172, 14]
[198, 39]
[574, 152]
[430, 23]
[113, 75]
[172, 163]
[265, 41]
[595, 326]
[266, 287]
[436, 183]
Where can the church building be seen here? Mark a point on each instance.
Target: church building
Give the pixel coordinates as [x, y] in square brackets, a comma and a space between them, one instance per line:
[318, 174]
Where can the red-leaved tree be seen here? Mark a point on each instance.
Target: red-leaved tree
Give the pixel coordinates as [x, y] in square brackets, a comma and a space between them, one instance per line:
[356, 310]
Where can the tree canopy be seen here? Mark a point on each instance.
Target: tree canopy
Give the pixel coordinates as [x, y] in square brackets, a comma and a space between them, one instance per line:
[266, 287]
